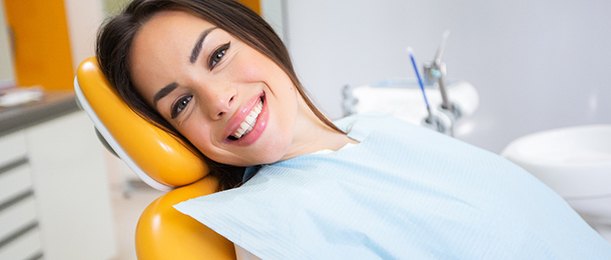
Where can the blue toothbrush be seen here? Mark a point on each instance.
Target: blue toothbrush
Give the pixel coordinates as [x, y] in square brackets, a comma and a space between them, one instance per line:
[429, 119]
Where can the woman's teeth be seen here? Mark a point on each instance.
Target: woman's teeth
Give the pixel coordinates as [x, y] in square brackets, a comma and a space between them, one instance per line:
[249, 123]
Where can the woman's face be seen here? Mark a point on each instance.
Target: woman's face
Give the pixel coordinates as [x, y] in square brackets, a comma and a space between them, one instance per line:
[232, 102]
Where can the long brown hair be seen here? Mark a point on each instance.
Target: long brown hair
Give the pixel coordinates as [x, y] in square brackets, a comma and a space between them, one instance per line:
[114, 44]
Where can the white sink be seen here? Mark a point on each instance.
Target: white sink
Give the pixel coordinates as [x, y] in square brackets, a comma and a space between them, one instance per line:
[574, 161]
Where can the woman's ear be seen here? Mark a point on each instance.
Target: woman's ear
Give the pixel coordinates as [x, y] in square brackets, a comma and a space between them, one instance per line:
[157, 157]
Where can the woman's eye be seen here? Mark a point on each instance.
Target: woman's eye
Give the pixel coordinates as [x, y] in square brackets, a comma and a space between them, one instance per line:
[180, 105]
[217, 55]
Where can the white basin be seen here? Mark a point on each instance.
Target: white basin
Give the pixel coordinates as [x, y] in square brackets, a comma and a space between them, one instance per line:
[403, 99]
[574, 161]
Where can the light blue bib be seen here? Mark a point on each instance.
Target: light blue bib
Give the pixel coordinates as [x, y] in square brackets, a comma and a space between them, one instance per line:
[404, 192]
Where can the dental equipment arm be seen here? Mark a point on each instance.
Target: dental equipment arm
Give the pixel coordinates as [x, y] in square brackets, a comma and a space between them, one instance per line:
[431, 121]
[435, 71]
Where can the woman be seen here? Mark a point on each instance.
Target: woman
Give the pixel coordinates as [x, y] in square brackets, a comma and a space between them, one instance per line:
[215, 74]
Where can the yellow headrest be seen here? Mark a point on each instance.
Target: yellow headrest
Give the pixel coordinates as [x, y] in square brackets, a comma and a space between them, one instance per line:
[160, 159]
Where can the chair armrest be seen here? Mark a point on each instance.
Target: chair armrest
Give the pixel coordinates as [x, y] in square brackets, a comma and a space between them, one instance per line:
[165, 233]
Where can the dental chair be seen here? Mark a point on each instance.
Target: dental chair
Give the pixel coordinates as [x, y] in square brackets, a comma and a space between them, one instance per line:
[160, 160]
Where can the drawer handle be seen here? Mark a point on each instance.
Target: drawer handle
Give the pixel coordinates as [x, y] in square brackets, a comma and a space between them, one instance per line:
[13, 164]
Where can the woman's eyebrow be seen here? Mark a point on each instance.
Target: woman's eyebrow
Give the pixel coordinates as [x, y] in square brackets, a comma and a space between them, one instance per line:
[164, 92]
[198, 44]
[197, 48]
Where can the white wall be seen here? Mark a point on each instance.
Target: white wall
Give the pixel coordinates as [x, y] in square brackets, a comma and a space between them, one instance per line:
[84, 18]
[536, 64]
[7, 76]
[273, 11]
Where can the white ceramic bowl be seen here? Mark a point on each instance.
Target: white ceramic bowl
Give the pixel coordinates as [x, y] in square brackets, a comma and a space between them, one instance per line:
[574, 161]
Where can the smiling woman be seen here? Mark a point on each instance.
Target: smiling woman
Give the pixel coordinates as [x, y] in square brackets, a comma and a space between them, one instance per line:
[222, 46]
[212, 97]
[213, 73]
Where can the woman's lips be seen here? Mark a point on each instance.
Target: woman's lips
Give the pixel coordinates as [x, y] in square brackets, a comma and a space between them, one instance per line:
[248, 123]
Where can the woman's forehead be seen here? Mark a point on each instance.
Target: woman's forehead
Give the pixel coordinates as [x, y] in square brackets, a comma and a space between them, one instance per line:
[174, 22]
[165, 36]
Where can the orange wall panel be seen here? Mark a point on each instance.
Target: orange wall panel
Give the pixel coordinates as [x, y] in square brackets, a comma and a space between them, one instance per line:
[42, 43]
[254, 5]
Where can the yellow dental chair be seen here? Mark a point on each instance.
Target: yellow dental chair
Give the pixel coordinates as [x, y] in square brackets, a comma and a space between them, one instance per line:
[161, 161]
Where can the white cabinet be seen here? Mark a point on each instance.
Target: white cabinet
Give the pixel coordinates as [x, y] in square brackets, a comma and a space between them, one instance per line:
[54, 195]
[19, 230]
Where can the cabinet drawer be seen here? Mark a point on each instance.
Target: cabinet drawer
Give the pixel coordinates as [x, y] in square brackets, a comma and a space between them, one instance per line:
[15, 181]
[12, 147]
[17, 217]
[26, 246]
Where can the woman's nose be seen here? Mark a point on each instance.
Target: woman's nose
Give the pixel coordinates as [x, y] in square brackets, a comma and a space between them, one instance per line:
[219, 101]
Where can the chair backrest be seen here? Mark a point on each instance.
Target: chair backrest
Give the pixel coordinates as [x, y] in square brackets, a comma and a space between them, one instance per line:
[160, 160]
